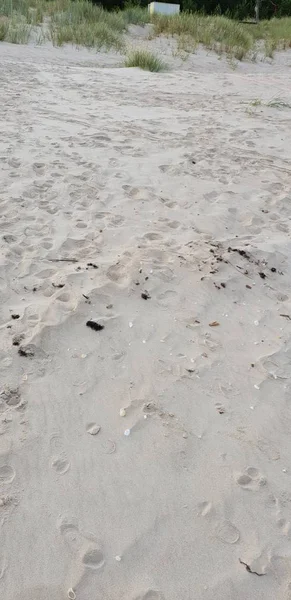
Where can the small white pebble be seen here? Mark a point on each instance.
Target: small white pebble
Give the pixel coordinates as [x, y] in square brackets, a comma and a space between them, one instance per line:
[256, 323]
[130, 324]
[118, 558]
[251, 407]
[127, 432]
[145, 416]
[284, 470]
[256, 387]
[122, 412]
[83, 355]
[185, 436]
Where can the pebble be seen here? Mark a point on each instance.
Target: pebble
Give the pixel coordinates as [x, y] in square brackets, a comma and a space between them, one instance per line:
[127, 432]
[122, 412]
[118, 558]
[93, 429]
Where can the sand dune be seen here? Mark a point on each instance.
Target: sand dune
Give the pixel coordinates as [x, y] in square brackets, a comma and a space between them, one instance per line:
[149, 460]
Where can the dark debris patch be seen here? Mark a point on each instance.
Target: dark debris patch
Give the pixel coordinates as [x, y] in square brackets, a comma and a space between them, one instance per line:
[15, 316]
[145, 295]
[26, 351]
[94, 325]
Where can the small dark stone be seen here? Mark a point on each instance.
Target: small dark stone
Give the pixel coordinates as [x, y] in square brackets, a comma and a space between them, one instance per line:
[145, 295]
[223, 285]
[262, 275]
[15, 316]
[252, 364]
[90, 264]
[273, 269]
[94, 325]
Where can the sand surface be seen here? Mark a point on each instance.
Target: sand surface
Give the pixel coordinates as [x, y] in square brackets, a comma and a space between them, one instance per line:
[117, 183]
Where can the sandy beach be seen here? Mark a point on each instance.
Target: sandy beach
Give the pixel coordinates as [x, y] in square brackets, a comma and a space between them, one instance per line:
[149, 458]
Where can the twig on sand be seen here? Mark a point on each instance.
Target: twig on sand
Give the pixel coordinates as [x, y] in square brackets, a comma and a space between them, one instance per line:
[74, 260]
[286, 317]
[249, 570]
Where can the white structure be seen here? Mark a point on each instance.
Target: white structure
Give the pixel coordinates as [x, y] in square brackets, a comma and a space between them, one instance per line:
[163, 8]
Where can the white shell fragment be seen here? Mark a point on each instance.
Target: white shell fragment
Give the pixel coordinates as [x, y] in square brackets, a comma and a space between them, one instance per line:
[122, 412]
[127, 432]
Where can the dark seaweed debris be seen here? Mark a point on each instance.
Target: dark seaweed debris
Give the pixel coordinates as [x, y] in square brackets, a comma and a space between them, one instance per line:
[145, 295]
[27, 351]
[94, 325]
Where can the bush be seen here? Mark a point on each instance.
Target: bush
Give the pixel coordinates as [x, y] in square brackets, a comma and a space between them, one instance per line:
[145, 60]
[135, 15]
[3, 28]
[18, 30]
[217, 33]
[92, 35]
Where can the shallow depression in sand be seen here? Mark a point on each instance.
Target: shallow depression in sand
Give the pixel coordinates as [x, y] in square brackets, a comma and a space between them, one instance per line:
[93, 558]
[7, 474]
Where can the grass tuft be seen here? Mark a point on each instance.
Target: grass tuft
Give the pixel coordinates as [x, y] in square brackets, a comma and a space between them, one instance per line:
[4, 24]
[216, 33]
[145, 60]
[278, 103]
[18, 31]
[136, 15]
[85, 24]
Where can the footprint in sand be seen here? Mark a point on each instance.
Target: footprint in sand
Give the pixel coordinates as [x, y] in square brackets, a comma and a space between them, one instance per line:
[7, 474]
[222, 528]
[10, 396]
[60, 464]
[227, 532]
[84, 546]
[93, 558]
[251, 479]
[149, 595]
[59, 460]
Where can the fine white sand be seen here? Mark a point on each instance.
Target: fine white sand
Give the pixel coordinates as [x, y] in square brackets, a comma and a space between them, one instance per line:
[158, 180]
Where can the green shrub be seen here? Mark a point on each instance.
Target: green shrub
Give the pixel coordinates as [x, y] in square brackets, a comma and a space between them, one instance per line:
[3, 28]
[145, 60]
